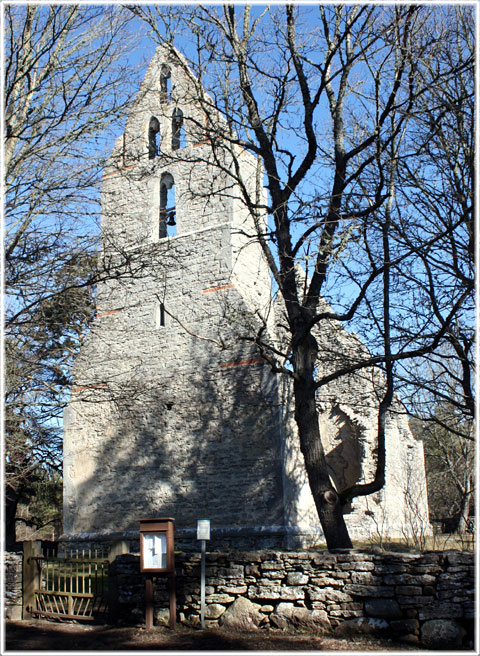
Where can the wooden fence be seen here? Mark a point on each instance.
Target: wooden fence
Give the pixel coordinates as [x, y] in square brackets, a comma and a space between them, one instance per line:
[73, 585]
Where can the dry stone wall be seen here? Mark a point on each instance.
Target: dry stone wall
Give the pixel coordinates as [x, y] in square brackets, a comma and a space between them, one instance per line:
[424, 599]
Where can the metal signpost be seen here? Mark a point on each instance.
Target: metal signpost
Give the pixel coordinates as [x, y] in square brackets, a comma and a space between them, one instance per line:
[203, 534]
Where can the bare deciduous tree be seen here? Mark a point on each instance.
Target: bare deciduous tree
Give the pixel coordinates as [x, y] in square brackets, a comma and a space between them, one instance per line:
[65, 87]
[326, 98]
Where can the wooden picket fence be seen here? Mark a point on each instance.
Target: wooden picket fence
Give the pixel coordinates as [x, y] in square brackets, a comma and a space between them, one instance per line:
[73, 585]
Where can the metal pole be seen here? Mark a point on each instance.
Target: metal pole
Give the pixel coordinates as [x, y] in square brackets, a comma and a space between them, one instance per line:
[202, 586]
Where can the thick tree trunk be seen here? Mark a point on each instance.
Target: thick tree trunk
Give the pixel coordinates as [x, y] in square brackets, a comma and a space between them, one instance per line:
[326, 499]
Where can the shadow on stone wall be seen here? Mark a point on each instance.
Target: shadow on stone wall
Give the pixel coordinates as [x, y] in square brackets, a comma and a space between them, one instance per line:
[201, 441]
[421, 599]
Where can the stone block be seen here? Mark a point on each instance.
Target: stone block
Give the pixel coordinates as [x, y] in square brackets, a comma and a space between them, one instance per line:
[292, 593]
[327, 595]
[214, 611]
[358, 590]
[249, 556]
[420, 568]
[326, 561]
[384, 608]
[162, 616]
[288, 616]
[449, 585]
[242, 615]
[237, 590]
[352, 557]
[232, 572]
[431, 557]
[213, 557]
[366, 566]
[363, 625]
[407, 600]
[459, 557]
[410, 579]
[297, 578]
[442, 634]
[252, 570]
[390, 568]
[345, 613]
[274, 574]
[366, 578]
[299, 555]
[270, 565]
[326, 580]
[455, 576]
[13, 612]
[219, 599]
[440, 610]
[273, 592]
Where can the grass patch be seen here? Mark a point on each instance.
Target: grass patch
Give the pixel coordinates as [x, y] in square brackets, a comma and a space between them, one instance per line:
[438, 542]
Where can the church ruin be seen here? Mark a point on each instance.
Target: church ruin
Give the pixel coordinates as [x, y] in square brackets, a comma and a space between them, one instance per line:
[172, 413]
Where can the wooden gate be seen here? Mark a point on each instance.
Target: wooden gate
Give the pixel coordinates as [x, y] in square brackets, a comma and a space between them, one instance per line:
[73, 585]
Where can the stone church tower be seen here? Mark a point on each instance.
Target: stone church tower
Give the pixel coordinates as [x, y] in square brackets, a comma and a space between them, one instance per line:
[172, 412]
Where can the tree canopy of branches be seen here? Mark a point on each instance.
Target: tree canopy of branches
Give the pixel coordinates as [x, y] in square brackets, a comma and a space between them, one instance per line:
[65, 88]
[361, 119]
[450, 467]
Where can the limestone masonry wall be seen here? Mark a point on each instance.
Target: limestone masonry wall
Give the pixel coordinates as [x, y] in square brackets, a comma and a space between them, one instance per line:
[13, 585]
[174, 411]
[421, 598]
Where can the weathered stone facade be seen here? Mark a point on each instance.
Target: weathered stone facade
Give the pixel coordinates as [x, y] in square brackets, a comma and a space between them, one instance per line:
[172, 412]
[13, 585]
[425, 599]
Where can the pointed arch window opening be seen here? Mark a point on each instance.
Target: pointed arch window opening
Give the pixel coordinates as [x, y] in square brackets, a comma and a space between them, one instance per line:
[165, 84]
[153, 138]
[178, 130]
[167, 220]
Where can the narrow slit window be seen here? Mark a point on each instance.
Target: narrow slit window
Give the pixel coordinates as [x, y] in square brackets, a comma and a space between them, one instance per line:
[153, 138]
[178, 131]
[167, 219]
[165, 84]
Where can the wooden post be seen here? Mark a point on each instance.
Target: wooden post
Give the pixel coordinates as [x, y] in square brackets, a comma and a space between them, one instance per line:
[173, 601]
[149, 602]
[31, 576]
